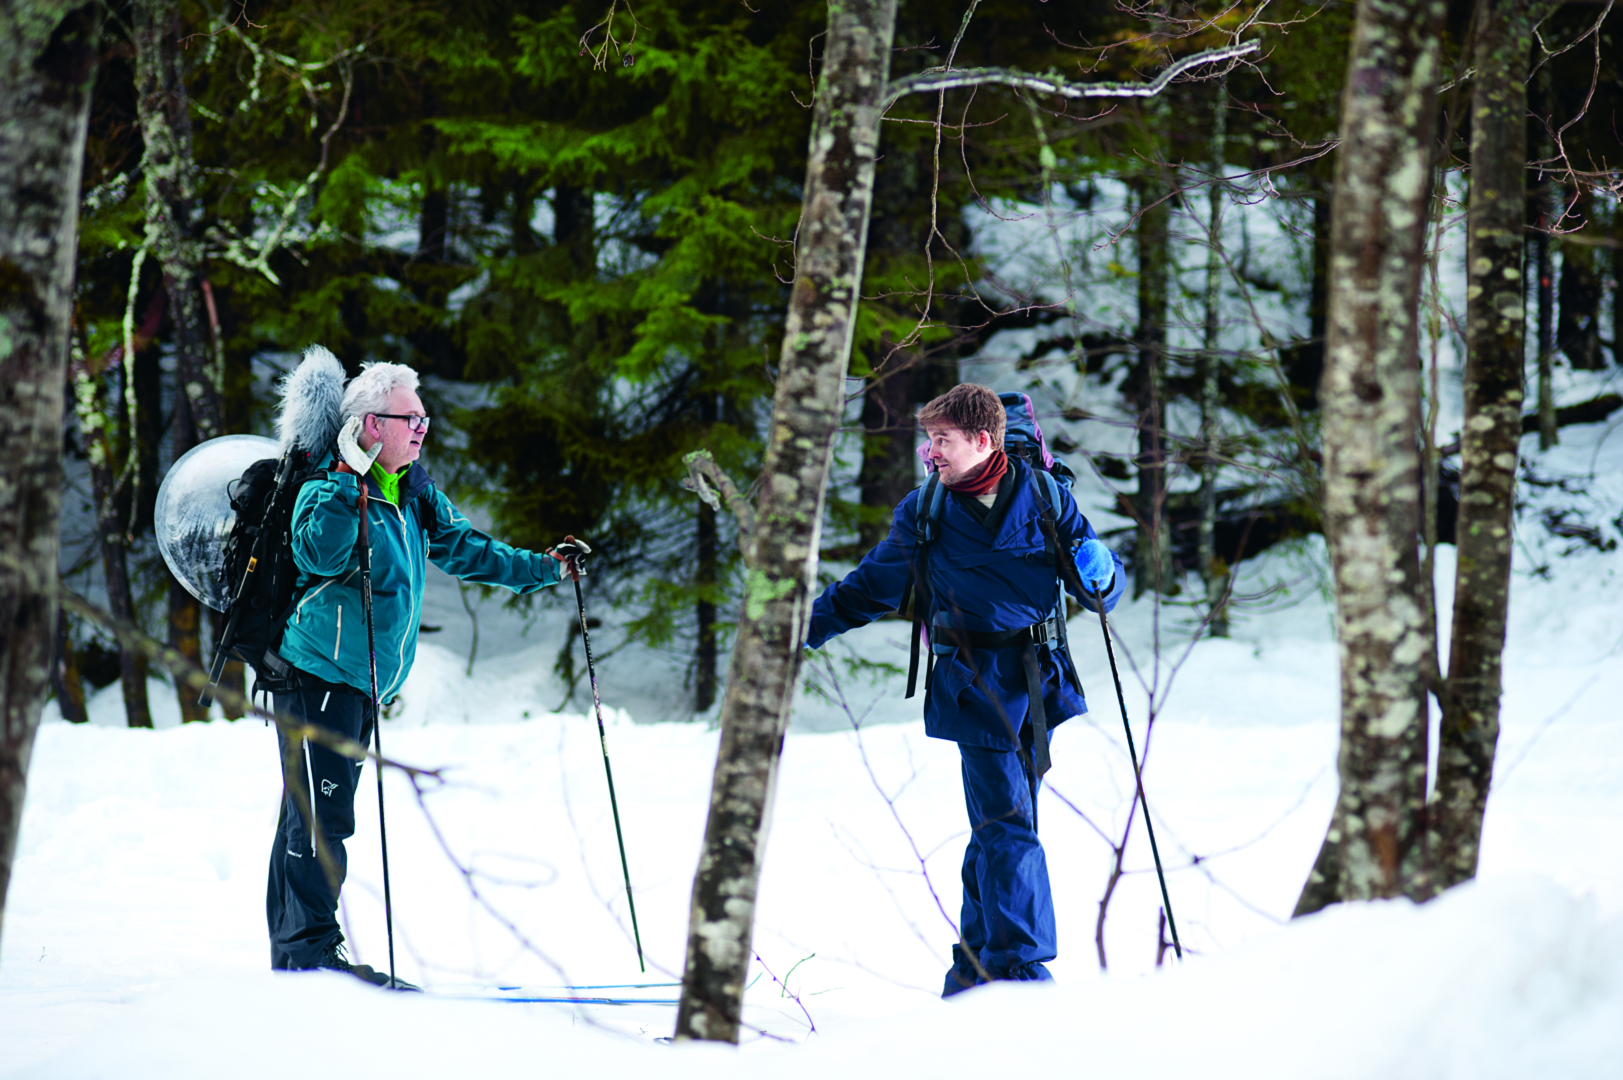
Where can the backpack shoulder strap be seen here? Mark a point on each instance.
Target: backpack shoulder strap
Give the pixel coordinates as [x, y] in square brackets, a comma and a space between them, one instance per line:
[1063, 567]
[932, 496]
[1050, 490]
[1048, 487]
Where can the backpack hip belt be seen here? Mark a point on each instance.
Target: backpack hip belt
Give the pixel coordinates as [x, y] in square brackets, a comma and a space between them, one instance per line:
[944, 639]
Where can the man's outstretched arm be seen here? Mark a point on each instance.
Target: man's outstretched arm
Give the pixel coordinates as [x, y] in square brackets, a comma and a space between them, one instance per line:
[461, 550]
[874, 589]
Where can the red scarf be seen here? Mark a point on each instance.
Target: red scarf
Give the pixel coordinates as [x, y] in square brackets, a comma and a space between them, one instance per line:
[985, 477]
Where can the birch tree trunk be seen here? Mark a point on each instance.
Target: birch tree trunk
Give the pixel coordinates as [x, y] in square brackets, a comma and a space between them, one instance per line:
[781, 557]
[1540, 217]
[707, 542]
[47, 60]
[100, 416]
[1216, 576]
[170, 173]
[1495, 331]
[1153, 548]
[1371, 401]
[66, 682]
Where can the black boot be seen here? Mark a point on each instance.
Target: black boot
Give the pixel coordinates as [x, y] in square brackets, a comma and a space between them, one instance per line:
[335, 960]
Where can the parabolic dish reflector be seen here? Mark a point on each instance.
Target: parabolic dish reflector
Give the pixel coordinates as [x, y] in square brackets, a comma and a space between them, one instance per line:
[193, 517]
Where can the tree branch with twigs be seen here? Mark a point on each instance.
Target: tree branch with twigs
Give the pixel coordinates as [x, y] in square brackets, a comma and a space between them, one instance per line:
[947, 78]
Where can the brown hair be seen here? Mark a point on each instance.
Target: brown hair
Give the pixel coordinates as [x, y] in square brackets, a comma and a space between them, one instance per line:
[968, 407]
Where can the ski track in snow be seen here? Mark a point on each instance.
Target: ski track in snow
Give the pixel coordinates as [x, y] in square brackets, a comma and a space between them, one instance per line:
[134, 936]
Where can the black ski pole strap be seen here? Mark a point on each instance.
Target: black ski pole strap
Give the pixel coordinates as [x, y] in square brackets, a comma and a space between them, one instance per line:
[1064, 646]
[1068, 574]
[1036, 713]
[913, 657]
[1066, 567]
[1033, 784]
[908, 596]
[912, 660]
[919, 586]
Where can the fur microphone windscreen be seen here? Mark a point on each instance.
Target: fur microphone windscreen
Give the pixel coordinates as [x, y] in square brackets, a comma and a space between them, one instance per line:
[311, 397]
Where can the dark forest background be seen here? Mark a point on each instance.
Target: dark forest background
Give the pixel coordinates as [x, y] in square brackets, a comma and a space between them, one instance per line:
[576, 221]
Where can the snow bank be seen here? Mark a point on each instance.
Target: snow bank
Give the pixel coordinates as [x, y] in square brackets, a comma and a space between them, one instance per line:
[1513, 979]
[134, 938]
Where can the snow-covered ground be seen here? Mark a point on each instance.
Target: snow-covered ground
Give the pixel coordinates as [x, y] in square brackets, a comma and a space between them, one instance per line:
[134, 937]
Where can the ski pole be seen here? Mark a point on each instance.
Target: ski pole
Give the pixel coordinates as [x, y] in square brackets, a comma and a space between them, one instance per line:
[377, 714]
[1138, 776]
[603, 741]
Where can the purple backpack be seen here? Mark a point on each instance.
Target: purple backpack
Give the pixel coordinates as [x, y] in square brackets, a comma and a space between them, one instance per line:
[1022, 438]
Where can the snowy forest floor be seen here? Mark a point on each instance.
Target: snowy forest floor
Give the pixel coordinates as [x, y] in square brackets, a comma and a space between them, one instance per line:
[134, 939]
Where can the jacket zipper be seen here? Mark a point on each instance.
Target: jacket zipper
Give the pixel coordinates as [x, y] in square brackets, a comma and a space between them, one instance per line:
[338, 636]
[405, 540]
[298, 612]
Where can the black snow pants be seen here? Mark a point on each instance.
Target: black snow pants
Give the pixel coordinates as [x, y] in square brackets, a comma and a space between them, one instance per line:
[301, 897]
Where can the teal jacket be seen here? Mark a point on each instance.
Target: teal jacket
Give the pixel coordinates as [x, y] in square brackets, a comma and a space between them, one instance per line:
[326, 632]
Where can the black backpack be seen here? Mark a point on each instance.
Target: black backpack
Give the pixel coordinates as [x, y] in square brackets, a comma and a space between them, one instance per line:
[259, 561]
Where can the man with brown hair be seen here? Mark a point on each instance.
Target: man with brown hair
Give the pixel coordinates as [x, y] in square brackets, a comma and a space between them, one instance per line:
[986, 563]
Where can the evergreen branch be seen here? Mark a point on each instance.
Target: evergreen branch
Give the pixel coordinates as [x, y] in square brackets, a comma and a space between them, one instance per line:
[941, 78]
[706, 480]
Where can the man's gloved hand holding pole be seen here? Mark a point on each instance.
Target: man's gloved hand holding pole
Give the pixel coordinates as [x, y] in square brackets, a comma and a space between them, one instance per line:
[1094, 564]
[572, 553]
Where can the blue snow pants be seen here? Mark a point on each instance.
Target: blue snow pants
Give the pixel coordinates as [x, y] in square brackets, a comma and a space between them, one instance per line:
[1008, 912]
[301, 903]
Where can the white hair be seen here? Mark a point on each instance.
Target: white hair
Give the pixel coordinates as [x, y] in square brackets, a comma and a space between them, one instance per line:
[369, 391]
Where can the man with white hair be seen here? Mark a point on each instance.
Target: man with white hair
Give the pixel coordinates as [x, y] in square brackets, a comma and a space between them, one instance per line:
[324, 645]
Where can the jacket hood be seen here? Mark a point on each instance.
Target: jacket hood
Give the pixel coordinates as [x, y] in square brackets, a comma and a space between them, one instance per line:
[311, 400]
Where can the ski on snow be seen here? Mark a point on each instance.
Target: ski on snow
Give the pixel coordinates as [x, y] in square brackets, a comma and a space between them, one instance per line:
[575, 995]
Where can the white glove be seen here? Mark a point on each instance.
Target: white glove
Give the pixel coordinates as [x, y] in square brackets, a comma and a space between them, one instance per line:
[572, 553]
[349, 448]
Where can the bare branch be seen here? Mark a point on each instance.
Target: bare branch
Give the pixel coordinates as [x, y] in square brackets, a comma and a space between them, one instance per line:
[241, 250]
[941, 78]
[706, 480]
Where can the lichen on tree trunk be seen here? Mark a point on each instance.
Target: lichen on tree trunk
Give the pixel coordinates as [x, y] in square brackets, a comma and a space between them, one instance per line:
[1371, 400]
[170, 175]
[1495, 339]
[47, 62]
[781, 556]
[100, 418]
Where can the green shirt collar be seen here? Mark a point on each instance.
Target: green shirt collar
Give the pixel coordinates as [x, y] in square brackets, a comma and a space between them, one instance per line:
[388, 482]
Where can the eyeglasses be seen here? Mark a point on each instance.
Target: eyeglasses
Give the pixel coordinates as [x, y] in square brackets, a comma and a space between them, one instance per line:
[418, 424]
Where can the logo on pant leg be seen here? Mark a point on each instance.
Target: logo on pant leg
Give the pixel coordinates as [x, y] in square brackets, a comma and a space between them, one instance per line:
[328, 787]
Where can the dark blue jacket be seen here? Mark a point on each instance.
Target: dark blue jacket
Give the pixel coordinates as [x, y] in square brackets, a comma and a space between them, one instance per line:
[980, 582]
